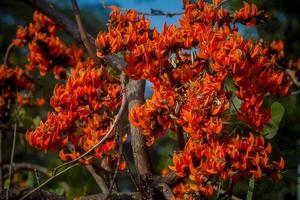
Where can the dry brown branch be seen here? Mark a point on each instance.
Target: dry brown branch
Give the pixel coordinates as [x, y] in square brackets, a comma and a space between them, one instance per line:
[135, 90]
[117, 166]
[13, 148]
[130, 173]
[26, 166]
[293, 78]
[84, 37]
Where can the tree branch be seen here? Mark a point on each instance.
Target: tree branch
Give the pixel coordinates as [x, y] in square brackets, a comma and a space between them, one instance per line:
[166, 190]
[47, 181]
[135, 90]
[7, 54]
[117, 167]
[115, 196]
[99, 180]
[153, 12]
[26, 166]
[290, 74]
[13, 148]
[90, 48]
[48, 9]
[37, 195]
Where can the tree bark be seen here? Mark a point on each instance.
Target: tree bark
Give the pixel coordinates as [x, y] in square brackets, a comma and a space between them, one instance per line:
[135, 91]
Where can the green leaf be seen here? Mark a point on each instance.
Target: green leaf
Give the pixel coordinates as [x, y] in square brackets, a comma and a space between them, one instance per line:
[36, 121]
[277, 112]
[250, 188]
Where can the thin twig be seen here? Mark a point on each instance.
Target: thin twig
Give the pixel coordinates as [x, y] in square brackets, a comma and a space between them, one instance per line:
[36, 176]
[7, 54]
[117, 167]
[153, 12]
[156, 12]
[295, 81]
[295, 92]
[27, 166]
[115, 122]
[184, 2]
[48, 180]
[12, 159]
[130, 172]
[82, 31]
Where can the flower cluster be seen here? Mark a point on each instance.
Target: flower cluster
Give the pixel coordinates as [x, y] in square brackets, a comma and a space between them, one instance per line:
[190, 66]
[15, 86]
[228, 159]
[46, 50]
[84, 109]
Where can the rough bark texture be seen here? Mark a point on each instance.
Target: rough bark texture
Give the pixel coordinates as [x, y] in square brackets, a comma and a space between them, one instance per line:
[135, 92]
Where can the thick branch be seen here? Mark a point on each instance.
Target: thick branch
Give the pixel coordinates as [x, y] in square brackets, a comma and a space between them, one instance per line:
[37, 195]
[165, 190]
[115, 196]
[142, 162]
[135, 91]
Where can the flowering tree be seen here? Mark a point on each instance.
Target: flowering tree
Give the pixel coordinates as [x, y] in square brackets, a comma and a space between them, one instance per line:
[210, 86]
